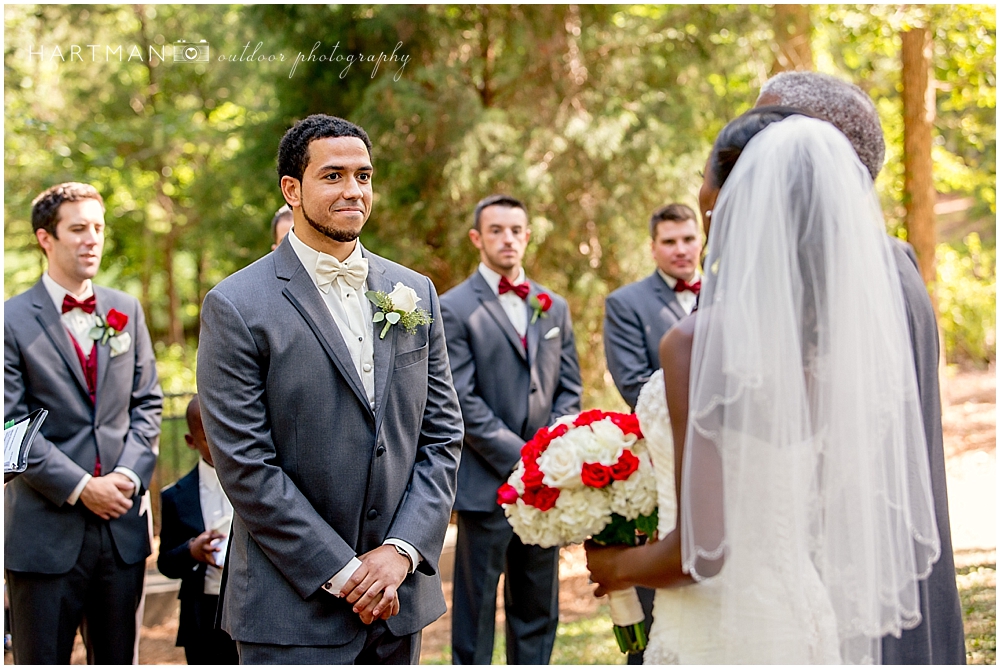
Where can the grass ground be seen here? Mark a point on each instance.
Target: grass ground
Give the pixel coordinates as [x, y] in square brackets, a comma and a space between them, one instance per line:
[977, 586]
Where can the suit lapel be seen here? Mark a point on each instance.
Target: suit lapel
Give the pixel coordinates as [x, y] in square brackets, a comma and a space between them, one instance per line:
[49, 318]
[189, 501]
[303, 294]
[667, 296]
[103, 352]
[492, 305]
[384, 349]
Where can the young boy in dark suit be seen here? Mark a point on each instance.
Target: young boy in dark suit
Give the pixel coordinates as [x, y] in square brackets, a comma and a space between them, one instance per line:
[196, 516]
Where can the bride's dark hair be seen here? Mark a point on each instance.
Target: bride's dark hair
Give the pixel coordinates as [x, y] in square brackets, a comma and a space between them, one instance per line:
[737, 134]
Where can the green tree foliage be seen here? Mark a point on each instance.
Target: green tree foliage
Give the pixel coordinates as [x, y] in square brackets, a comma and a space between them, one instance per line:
[967, 299]
[593, 115]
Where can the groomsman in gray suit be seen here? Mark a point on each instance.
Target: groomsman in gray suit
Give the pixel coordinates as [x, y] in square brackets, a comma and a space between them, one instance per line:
[514, 361]
[940, 636]
[75, 535]
[337, 444]
[637, 316]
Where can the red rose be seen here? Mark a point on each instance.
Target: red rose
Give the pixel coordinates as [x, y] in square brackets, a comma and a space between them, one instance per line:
[558, 431]
[507, 494]
[544, 301]
[546, 498]
[627, 423]
[626, 465]
[542, 439]
[116, 320]
[595, 475]
[532, 477]
[588, 417]
[530, 450]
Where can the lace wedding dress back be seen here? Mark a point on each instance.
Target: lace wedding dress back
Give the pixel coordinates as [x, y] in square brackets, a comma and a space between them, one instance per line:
[777, 610]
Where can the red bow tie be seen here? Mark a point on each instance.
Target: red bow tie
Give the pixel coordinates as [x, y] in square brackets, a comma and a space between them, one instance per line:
[684, 285]
[521, 289]
[70, 303]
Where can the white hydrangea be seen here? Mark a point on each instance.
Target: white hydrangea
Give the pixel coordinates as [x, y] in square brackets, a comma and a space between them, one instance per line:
[583, 512]
[636, 495]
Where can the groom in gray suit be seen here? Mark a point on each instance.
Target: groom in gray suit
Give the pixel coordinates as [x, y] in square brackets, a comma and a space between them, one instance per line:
[940, 636]
[513, 356]
[637, 316]
[75, 538]
[336, 443]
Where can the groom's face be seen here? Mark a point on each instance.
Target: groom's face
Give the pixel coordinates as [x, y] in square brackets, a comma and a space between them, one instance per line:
[335, 194]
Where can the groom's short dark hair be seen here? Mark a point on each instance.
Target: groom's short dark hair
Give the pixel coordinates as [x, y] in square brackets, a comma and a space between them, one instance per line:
[293, 152]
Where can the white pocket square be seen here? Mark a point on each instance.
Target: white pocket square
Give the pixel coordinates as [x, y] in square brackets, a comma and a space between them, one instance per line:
[120, 343]
[551, 334]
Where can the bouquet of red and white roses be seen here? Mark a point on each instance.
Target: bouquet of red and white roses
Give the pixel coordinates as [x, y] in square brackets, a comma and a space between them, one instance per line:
[587, 476]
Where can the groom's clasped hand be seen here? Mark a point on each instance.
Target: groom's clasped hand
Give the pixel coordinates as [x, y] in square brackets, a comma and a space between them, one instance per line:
[372, 589]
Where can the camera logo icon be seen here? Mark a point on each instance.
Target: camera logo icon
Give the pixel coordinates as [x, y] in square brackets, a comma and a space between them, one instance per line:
[191, 52]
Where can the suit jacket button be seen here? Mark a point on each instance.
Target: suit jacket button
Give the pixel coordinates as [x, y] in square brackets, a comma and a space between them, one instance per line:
[372, 514]
[380, 450]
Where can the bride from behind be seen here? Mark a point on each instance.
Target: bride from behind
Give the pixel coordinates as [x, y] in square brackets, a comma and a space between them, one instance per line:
[804, 520]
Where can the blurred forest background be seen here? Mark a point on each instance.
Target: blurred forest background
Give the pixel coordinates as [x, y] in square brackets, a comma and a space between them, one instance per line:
[593, 115]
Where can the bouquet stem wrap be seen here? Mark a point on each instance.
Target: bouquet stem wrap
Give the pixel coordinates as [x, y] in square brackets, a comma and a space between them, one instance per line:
[628, 618]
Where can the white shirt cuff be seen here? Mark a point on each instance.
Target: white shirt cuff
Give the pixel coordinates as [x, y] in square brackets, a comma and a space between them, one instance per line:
[335, 584]
[75, 495]
[415, 557]
[132, 476]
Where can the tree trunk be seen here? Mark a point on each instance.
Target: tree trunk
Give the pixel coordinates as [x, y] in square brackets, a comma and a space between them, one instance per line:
[146, 278]
[487, 51]
[918, 122]
[792, 37]
[175, 329]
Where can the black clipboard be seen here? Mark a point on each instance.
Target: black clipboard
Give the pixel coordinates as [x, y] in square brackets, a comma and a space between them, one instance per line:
[16, 455]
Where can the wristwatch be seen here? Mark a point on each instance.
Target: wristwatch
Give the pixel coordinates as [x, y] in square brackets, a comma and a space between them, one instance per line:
[402, 551]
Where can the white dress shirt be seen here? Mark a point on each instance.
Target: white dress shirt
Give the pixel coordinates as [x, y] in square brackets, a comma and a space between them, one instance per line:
[217, 513]
[352, 313]
[686, 298]
[515, 308]
[79, 323]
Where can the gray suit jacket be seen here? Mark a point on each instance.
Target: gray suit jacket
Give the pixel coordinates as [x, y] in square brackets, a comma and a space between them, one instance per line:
[636, 317]
[315, 475]
[42, 533]
[940, 637]
[506, 393]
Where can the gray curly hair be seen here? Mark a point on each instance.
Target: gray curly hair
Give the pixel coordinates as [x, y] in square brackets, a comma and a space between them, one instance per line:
[841, 103]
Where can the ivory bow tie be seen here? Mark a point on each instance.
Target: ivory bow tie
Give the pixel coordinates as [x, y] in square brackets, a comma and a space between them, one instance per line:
[329, 269]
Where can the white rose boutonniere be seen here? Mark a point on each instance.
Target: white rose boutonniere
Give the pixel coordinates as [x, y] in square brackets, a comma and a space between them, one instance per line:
[399, 306]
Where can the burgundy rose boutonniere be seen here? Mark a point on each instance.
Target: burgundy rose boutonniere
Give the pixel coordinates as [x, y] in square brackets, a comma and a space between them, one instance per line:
[540, 304]
[109, 331]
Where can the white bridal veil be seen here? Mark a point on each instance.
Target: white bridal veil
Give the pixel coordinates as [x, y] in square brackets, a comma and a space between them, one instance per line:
[804, 400]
